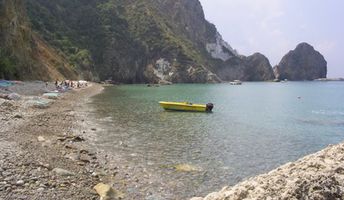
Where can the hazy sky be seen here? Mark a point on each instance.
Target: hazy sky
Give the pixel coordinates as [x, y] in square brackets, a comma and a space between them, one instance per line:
[273, 27]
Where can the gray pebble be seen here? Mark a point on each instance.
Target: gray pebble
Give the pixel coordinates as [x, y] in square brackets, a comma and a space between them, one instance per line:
[9, 178]
[20, 182]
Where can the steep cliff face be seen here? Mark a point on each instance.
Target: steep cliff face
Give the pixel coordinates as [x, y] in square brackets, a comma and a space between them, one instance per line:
[23, 54]
[187, 19]
[258, 68]
[252, 68]
[303, 63]
[129, 41]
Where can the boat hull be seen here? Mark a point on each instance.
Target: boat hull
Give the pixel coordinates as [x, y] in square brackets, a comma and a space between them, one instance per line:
[184, 106]
[236, 82]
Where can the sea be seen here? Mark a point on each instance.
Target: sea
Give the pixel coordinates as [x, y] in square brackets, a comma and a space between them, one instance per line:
[254, 128]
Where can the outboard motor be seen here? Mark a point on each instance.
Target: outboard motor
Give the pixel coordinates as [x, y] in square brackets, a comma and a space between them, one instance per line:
[209, 107]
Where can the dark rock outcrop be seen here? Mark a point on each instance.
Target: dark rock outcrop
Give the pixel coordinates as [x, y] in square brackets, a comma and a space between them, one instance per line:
[258, 68]
[303, 63]
[252, 68]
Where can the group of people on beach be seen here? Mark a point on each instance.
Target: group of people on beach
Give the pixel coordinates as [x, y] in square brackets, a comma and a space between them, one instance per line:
[70, 84]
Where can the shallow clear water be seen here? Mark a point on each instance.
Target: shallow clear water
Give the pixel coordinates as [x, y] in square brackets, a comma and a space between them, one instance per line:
[254, 128]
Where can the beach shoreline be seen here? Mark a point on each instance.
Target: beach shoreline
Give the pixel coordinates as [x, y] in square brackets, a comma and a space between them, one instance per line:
[42, 156]
[48, 154]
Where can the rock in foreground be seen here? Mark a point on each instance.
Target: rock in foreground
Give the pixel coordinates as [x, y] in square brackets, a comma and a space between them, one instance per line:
[303, 63]
[317, 176]
[63, 172]
[106, 192]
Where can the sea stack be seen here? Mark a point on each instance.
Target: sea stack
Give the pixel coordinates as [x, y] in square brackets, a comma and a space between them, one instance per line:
[303, 63]
[258, 68]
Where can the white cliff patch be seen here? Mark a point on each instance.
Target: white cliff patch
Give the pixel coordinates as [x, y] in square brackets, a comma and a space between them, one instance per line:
[221, 49]
[191, 69]
[211, 77]
[162, 69]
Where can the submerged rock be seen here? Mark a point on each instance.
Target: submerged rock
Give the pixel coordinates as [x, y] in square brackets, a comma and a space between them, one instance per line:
[186, 168]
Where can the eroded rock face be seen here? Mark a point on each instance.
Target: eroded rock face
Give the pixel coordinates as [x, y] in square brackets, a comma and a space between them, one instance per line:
[252, 68]
[166, 71]
[303, 63]
[220, 49]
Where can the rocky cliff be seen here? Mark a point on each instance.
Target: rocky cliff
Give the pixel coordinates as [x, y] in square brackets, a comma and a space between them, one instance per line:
[23, 54]
[136, 41]
[303, 63]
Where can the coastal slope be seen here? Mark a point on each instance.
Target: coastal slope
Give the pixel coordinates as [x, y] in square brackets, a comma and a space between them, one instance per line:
[125, 41]
[23, 53]
[317, 176]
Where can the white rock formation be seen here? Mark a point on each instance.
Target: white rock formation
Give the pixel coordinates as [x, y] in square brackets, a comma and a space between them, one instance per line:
[162, 69]
[220, 49]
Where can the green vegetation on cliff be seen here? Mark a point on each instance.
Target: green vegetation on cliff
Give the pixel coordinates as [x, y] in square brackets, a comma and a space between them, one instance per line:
[23, 54]
[122, 37]
[8, 68]
[124, 40]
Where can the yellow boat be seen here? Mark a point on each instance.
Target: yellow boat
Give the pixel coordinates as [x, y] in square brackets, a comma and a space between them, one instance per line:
[186, 106]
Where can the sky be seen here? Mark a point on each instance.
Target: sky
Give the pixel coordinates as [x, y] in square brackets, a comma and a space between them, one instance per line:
[274, 27]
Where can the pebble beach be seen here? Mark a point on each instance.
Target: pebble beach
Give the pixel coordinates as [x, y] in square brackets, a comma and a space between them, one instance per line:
[46, 154]
[42, 157]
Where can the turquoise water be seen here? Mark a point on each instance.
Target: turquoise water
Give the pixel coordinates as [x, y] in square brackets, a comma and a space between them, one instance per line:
[254, 128]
